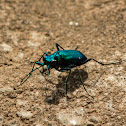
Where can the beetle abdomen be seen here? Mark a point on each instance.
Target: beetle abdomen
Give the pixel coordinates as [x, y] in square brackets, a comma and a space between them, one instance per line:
[72, 58]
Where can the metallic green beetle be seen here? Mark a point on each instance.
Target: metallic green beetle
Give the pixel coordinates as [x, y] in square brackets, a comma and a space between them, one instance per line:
[63, 60]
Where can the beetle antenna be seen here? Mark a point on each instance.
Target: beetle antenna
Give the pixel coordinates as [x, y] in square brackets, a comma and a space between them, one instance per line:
[104, 63]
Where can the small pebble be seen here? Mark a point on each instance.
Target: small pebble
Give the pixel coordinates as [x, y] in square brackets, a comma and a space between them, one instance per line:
[68, 117]
[12, 95]
[111, 78]
[41, 79]
[80, 111]
[34, 44]
[120, 68]
[49, 99]
[93, 119]
[5, 47]
[1, 119]
[38, 125]
[70, 23]
[90, 124]
[76, 23]
[57, 73]
[109, 106]
[37, 93]
[117, 53]
[25, 114]
[119, 117]
[21, 102]
[21, 55]
[13, 123]
[6, 89]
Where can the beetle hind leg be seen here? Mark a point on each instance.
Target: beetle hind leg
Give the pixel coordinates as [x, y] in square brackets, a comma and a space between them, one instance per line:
[84, 84]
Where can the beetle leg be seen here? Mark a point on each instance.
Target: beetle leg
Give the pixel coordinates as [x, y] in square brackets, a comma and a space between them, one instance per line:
[66, 69]
[57, 46]
[76, 47]
[84, 84]
[48, 71]
[67, 80]
[63, 70]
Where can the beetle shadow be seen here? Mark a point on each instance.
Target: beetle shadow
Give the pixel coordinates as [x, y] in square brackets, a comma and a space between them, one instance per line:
[73, 84]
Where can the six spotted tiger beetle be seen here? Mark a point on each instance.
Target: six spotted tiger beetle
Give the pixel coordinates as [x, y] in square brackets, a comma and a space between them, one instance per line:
[63, 60]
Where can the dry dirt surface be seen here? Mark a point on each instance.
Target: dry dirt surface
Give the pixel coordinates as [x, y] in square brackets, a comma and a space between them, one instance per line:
[28, 28]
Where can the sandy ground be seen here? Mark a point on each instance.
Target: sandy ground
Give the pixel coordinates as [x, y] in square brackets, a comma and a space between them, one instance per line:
[28, 28]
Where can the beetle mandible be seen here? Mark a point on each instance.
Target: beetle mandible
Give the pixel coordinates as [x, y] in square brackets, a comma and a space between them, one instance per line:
[64, 60]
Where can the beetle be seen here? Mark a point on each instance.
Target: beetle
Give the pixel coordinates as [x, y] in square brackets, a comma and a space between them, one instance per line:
[64, 60]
